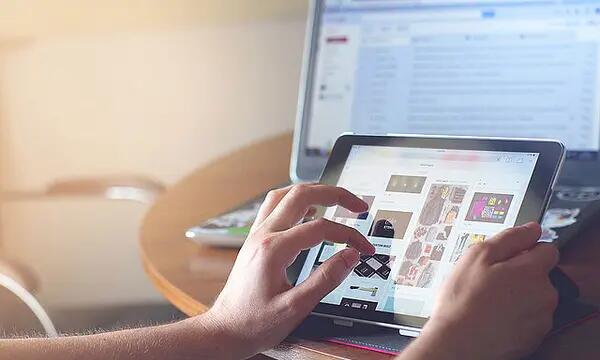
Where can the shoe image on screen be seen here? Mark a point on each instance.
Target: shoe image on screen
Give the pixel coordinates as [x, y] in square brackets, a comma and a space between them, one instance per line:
[489, 208]
[376, 266]
[390, 224]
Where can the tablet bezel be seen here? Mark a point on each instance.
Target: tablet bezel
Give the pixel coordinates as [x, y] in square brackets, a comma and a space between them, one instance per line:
[537, 196]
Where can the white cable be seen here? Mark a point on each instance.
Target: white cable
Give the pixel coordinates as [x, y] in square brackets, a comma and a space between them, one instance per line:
[31, 302]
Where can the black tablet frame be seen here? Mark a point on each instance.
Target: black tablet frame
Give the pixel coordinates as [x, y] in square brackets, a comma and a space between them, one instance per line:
[552, 155]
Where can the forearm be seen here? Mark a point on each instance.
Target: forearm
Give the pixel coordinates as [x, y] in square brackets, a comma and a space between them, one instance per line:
[197, 338]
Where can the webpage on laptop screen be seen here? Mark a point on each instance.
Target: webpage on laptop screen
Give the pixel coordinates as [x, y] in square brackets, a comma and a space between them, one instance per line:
[427, 206]
[480, 68]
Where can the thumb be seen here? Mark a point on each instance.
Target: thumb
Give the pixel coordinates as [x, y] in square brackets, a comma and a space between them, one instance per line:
[324, 279]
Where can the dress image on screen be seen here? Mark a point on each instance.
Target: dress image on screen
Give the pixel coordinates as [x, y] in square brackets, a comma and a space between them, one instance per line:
[390, 224]
[489, 208]
[429, 240]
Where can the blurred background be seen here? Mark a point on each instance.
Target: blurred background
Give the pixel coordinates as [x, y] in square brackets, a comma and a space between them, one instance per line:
[126, 92]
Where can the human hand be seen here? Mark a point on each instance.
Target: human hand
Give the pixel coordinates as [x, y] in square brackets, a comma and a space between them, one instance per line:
[258, 307]
[498, 302]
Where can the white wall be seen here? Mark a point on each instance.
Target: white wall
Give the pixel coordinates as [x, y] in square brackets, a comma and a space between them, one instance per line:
[160, 102]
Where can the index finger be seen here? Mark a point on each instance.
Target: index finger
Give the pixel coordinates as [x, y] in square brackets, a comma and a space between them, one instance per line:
[272, 199]
[307, 235]
[294, 205]
[512, 242]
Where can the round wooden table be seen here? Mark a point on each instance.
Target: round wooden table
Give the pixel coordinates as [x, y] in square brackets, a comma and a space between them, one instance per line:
[191, 276]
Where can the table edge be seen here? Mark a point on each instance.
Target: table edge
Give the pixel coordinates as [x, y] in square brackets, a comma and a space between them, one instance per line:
[174, 295]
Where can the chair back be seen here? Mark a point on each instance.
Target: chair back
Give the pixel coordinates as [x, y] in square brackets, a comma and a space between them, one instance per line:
[16, 295]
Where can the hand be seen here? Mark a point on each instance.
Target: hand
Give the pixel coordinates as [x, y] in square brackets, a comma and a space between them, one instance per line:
[258, 307]
[497, 304]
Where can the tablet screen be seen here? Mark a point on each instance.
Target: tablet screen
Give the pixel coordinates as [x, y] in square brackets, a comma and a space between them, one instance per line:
[427, 207]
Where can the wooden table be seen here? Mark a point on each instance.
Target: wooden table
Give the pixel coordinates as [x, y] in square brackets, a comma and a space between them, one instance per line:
[191, 276]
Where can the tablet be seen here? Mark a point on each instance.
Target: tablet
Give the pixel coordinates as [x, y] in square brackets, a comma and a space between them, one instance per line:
[430, 198]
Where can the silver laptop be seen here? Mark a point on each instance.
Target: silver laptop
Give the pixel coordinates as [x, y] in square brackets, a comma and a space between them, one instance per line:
[499, 68]
[453, 67]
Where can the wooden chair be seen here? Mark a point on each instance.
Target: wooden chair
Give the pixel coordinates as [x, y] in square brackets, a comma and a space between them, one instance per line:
[19, 306]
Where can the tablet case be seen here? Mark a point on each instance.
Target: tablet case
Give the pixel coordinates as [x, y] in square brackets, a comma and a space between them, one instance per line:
[570, 312]
[363, 336]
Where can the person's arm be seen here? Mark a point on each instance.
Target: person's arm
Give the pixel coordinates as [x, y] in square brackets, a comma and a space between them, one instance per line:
[258, 307]
[497, 304]
[195, 338]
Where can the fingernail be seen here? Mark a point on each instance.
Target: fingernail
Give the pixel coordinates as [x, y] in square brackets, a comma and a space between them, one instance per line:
[363, 206]
[351, 257]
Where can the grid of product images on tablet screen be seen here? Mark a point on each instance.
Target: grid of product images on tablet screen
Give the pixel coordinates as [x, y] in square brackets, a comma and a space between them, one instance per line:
[426, 208]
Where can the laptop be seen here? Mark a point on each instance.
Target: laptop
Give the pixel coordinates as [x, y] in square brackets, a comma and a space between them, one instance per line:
[505, 68]
[500, 68]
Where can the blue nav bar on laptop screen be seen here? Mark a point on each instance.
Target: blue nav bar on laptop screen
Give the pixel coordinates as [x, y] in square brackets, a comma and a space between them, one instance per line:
[457, 67]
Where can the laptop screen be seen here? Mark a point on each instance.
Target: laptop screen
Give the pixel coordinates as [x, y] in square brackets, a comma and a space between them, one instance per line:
[455, 67]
